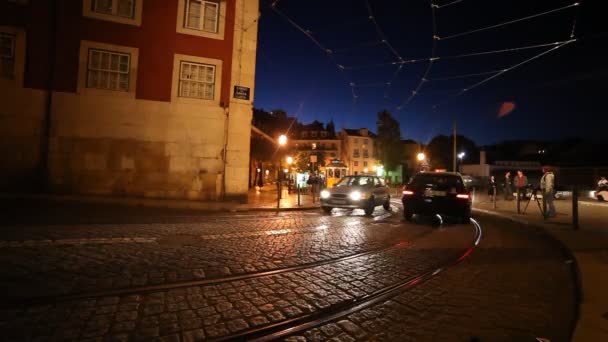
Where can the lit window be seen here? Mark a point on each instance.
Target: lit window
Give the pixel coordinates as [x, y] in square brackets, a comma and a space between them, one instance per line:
[314, 146]
[108, 70]
[356, 163]
[202, 15]
[197, 80]
[364, 163]
[7, 55]
[119, 8]
[356, 153]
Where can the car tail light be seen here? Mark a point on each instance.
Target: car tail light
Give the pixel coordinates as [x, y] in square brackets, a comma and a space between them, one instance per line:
[462, 196]
[407, 193]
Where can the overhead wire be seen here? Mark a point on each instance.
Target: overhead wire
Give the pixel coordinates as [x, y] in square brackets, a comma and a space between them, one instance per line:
[431, 60]
[472, 54]
[465, 75]
[508, 22]
[500, 73]
[328, 52]
[448, 4]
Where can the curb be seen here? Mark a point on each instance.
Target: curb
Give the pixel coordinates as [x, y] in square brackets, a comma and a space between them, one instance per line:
[578, 280]
[152, 203]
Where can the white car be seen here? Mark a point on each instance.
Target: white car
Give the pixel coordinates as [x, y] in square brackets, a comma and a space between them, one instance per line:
[601, 194]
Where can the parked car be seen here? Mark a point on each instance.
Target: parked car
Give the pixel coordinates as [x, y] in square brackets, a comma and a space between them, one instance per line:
[442, 193]
[471, 182]
[356, 192]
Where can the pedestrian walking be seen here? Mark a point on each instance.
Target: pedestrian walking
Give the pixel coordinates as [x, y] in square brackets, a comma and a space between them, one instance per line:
[547, 185]
[491, 186]
[521, 186]
[508, 190]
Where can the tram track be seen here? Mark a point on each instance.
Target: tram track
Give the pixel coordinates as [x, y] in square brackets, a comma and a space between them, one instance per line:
[299, 324]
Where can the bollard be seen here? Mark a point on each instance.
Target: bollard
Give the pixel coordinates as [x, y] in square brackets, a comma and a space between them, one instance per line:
[278, 194]
[574, 208]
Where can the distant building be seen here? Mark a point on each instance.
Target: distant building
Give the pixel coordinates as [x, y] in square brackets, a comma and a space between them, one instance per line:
[358, 151]
[145, 98]
[317, 138]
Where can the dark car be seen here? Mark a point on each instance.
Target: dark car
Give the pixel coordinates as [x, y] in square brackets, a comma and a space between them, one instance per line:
[442, 193]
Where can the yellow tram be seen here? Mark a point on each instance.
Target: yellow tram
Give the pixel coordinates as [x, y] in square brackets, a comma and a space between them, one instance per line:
[334, 172]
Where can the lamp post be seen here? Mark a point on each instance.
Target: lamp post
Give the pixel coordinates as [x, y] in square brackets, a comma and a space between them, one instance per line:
[282, 142]
[421, 157]
[289, 162]
[460, 156]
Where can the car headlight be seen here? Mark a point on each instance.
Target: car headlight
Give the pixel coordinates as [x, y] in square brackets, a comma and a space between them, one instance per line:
[325, 194]
[355, 195]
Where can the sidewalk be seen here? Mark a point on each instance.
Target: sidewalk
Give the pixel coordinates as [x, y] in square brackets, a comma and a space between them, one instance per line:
[588, 245]
[263, 200]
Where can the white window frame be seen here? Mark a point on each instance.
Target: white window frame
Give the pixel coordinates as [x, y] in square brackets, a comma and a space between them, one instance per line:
[175, 87]
[83, 67]
[203, 15]
[110, 71]
[182, 15]
[182, 64]
[87, 11]
[18, 55]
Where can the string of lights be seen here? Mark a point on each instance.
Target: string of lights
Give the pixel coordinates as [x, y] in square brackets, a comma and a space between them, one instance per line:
[503, 71]
[431, 61]
[508, 22]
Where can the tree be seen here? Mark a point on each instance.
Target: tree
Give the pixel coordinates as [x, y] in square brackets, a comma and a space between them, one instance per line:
[441, 150]
[301, 160]
[388, 141]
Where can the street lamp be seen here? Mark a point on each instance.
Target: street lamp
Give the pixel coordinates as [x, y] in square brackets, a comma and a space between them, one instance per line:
[421, 157]
[289, 160]
[460, 156]
[282, 142]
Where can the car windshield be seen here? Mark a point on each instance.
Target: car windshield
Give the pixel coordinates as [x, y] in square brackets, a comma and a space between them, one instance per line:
[439, 182]
[355, 181]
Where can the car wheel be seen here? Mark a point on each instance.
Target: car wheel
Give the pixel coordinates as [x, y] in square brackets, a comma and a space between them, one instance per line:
[387, 204]
[326, 210]
[408, 216]
[369, 207]
[600, 198]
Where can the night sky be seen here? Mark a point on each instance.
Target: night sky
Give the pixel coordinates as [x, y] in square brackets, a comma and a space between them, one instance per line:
[560, 94]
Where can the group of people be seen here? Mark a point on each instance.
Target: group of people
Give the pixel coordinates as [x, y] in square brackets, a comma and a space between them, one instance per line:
[520, 182]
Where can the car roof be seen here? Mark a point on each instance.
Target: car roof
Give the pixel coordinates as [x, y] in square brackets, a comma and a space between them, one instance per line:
[453, 174]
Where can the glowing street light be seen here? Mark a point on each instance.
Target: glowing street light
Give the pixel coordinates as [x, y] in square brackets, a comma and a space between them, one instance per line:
[289, 160]
[421, 156]
[282, 140]
[461, 155]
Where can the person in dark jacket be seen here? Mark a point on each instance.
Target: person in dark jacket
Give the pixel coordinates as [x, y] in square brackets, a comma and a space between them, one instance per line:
[508, 190]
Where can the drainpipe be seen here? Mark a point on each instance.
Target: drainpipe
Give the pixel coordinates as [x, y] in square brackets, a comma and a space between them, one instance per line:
[225, 151]
[43, 172]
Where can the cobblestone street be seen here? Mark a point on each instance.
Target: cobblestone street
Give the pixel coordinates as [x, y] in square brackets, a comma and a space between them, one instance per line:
[107, 274]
